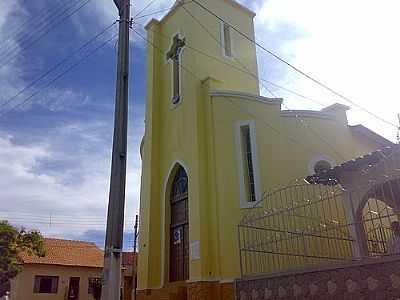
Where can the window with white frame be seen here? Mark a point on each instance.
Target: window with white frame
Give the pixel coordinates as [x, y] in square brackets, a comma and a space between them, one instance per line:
[248, 165]
[226, 39]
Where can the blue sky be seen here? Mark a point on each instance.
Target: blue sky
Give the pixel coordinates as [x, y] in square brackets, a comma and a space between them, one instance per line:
[55, 150]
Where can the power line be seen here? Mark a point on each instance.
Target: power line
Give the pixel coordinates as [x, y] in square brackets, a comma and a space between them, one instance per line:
[244, 66]
[59, 76]
[302, 121]
[153, 13]
[303, 73]
[247, 71]
[159, 49]
[219, 42]
[31, 21]
[66, 224]
[56, 66]
[42, 34]
[241, 108]
[85, 218]
[160, 11]
[244, 71]
[144, 9]
[43, 25]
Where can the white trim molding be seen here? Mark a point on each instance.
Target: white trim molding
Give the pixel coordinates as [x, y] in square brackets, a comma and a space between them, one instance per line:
[307, 114]
[246, 96]
[244, 201]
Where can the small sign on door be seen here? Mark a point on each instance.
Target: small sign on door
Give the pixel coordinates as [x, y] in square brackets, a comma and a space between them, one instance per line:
[177, 236]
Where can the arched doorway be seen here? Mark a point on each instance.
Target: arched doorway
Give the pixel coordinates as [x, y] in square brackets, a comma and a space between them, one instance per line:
[377, 212]
[377, 217]
[179, 228]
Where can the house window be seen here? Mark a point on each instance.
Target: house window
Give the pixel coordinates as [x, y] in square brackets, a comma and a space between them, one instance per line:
[174, 55]
[226, 39]
[93, 284]
[46, 285]
[248, 168]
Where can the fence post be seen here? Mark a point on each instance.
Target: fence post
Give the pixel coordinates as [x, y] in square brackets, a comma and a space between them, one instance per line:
[359, 246]
[240, 253]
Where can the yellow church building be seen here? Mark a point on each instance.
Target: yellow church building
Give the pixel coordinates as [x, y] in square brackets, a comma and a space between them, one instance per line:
[213, 146]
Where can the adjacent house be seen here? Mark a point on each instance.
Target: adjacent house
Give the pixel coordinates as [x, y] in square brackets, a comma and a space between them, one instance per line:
[67, 272]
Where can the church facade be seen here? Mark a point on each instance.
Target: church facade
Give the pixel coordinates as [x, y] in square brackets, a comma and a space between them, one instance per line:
[213, 146]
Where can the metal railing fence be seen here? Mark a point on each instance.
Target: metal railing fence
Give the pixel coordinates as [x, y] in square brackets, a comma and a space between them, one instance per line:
[307, 225]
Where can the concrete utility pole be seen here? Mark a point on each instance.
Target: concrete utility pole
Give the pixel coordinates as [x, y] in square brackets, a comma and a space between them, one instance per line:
[116, 205]
[134, 275]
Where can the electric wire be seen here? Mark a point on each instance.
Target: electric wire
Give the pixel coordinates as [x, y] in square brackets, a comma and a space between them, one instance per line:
[161, 10]
[298, 70]
[302, 122]
[256, 76]
[45, 24]
[219, 42]
[222, 61]
[40, 36]
[240, 107]
[145, 8]
[56, 66]
[153, 13]
[30, 22]
[247, 71]
[79, 217]
[28, 99]
[159, 49]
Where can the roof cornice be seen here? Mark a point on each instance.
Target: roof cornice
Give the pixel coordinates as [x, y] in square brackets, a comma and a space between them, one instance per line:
[307, 114]
[179, 3]
[246, 96]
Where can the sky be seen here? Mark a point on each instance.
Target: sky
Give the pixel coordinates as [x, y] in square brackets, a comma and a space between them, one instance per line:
[56, 134]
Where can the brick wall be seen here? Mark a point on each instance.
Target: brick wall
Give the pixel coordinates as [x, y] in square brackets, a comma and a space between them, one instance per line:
[370, 279]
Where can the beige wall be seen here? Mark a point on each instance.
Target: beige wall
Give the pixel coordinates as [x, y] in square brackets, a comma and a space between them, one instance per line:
[22, 288]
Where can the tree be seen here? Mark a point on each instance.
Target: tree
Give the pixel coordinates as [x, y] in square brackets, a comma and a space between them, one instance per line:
[12, 243]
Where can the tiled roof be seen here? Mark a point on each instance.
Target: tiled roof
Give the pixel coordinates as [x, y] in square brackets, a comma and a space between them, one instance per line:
[67, 253]
[362, 130]
[332, 176]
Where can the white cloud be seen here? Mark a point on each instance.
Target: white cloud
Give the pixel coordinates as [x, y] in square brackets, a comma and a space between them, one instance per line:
[64, 174]
[10, 72]
[350, 45]
[35, 193]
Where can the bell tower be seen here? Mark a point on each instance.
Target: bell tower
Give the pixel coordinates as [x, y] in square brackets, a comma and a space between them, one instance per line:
[190, 52]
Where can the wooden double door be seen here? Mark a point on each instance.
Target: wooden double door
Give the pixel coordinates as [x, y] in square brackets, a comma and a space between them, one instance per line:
[179, 228]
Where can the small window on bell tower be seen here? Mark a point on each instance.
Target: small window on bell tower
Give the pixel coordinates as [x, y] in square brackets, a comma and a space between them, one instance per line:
[226, 39]
[174, 55]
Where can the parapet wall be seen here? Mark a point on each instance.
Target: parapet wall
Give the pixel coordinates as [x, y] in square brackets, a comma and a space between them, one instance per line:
[377, 278]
